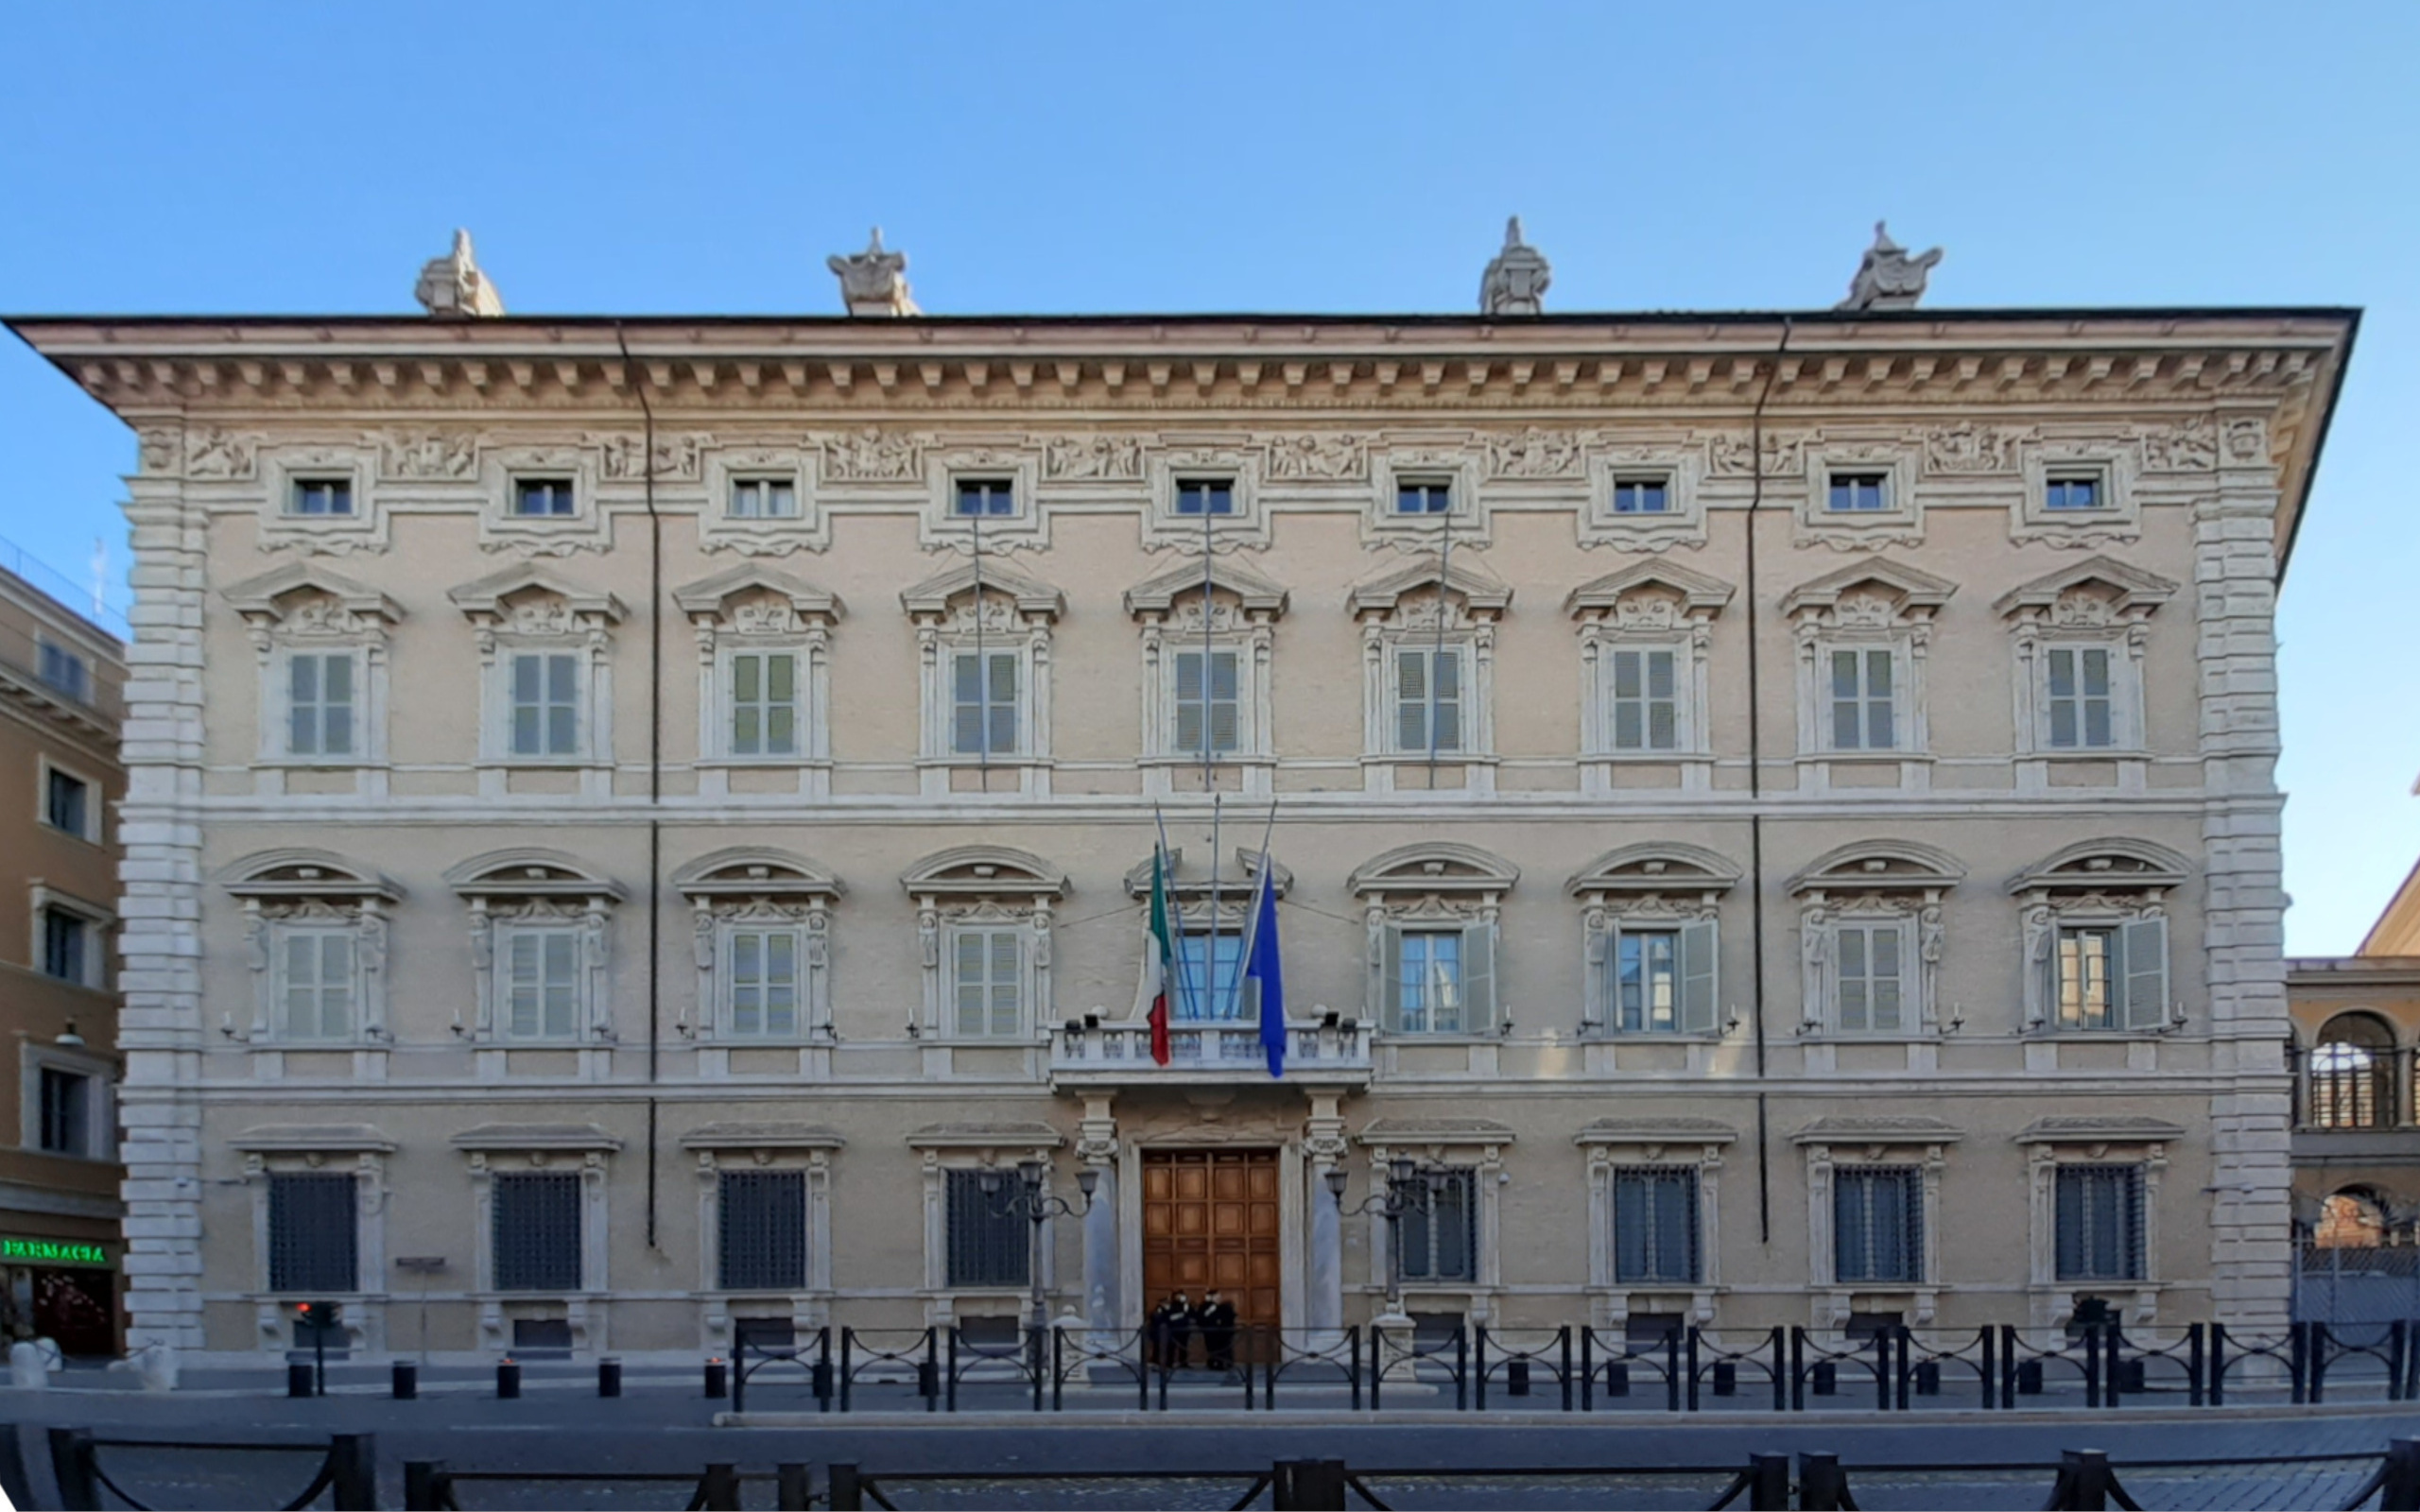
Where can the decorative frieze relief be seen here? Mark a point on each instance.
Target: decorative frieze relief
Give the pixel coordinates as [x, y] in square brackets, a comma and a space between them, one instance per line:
[1970, 447]
[429, 455]
[210, 453]
[1111, 458]
[871, 455]
[1333, 456]
[1534, 454]
[677, 458]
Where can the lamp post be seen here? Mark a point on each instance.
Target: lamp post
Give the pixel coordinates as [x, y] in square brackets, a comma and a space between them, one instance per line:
[1032, 1198]
[1409, 1187]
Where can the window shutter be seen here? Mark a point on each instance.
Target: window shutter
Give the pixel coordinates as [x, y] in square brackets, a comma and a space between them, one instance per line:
[1003, 695]
[1698, 976]
[970, 985]
[2142, 956]
[524, 989]
[1889, 963]
[1449, 700]
[1663, 703]
[1007, 990]
[1391, 979]
[335, 986]
[300, 976]
[1479, 977]
[336, 720]
[1411, 700]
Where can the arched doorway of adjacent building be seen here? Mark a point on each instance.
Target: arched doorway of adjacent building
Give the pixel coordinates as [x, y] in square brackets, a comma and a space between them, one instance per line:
[2351, 1080]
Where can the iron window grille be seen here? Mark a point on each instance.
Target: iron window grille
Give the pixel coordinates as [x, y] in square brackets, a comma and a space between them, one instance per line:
[2100, 1222]
[1656, 1225]
[987, 1246]
[535, 1232]
[313, 1234]
[763, 1230]
[1877, 1224]
[2352, 1075]
[1437, 1235]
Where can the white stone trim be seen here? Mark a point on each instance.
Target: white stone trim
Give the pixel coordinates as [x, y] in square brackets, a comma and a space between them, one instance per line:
[1235, 460]
[944, 1304]
[1448, 457]
[810, 1306]
[725, 464]
[2115, 465]
[100, 1104]
[1014, 457]
[365, 1321]
[1614, 1299]
[281, 466]
[763, 611]
[586, 529]
[101, 923]
[1682, 469]
[2052, 1300]
[1483, 1157]
[1899, 522]
[1831, 1299]
[584, 1308]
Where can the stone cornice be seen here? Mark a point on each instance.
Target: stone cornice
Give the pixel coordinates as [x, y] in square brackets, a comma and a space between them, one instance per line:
[2286, 364]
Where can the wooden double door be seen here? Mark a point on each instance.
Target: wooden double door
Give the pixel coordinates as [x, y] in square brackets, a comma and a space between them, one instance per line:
[1210, 1219]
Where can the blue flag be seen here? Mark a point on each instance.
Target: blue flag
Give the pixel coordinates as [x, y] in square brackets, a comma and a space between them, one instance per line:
[1263, 967]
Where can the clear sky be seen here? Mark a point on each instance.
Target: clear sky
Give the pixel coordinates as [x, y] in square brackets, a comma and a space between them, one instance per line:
[1042, 157]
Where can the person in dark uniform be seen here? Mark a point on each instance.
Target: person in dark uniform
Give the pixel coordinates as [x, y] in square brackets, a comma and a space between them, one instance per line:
[1216, 1321]
[1173, 1333]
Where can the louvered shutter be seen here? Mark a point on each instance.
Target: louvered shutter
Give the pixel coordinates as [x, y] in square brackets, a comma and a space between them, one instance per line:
[1391, 979]
[1447, 701]
[1188, 702]
[1479, 977]
[1003, 712]
[1007, 959]
[1698, 976]
[966, 704]
[1411, 700]
[1225, 712]
[2143, 957]
[969, 981]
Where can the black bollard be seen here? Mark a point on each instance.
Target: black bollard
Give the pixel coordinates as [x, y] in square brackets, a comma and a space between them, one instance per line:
[1768, 1483]
[297, 1378]
[1929, 1377]
[717, 1380]
[1618, 1378]
[1822, 1487]
[1726, 1377]
[1516, 1378]
[406, 1381]
[609, 1377]
[508, 1378]
[1823, 1378]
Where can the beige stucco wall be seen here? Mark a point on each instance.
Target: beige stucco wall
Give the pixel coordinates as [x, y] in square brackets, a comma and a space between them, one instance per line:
[2197, 545]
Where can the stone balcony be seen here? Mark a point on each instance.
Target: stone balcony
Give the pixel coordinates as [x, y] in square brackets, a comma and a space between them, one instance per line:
[1324, 1052]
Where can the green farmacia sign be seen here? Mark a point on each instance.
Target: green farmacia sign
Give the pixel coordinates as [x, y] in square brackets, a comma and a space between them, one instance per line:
[51, 1252]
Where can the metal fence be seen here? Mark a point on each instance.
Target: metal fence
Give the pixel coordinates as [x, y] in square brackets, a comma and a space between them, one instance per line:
[1583, 1370]
[2352, 1287]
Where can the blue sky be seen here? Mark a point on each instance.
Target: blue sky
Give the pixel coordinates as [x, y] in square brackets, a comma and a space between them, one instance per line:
[1047, 156]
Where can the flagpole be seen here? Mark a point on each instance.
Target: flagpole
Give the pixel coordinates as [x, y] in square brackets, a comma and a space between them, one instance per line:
[1209, 777]
[1165, 858]
[1251, 927]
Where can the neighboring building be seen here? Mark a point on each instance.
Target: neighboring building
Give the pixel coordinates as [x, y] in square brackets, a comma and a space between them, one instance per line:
[61, 702]
[654, 813]
[2356, 1130]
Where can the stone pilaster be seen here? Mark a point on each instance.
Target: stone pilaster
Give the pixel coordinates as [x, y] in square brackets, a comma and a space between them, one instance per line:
[1323, 1148]
[1096, 1146]
[159, 1029]
[2243, 897]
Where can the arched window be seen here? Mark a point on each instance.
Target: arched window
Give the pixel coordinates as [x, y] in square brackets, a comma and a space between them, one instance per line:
[2352, 1074]
[2351, 1219]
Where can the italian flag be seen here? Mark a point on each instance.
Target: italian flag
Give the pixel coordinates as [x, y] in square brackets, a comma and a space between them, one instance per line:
[1152, 991]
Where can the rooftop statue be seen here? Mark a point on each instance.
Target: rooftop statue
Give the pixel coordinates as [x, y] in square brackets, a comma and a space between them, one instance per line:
[1887, 278]
[452, 288]
[1515, 281]
[874, 282]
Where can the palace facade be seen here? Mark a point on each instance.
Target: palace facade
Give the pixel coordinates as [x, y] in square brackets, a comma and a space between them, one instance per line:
[636, 826]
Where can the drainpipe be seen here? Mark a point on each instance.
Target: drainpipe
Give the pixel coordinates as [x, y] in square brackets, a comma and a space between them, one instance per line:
[1756, 791]
[631, 375]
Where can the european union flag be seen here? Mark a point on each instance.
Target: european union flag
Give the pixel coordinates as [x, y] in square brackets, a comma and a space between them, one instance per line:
[1263, 967]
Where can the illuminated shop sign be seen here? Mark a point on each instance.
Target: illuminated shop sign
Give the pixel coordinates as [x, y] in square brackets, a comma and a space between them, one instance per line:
[50, 1252]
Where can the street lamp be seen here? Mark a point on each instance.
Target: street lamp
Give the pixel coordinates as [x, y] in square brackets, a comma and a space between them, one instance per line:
[1409, 1188]
[1032, 1198]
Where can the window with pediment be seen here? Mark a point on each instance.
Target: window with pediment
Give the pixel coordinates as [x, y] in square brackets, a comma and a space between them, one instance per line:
[1874, 1208]
[983, 918]
[546, 671]
[316, 931]
[2094, 1184]
[1428, 655]
[1649, 923]
[761, 924]
[983, 639]
[1206, 671]
[321, 642]
[1431, 913]
[1654, 1214]
[1645, 638]
[1871, 940]
[2080, 635]
[1863, 635]
[763, 672]
[541, 948]
[2094, 922]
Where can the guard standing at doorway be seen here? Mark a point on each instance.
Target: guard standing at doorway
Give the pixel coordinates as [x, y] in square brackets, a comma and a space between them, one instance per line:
[1215, 1319]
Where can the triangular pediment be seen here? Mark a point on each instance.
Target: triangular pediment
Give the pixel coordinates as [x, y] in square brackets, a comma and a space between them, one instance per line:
[1476, 586]
[1157, 594]
[2127, 587]
[488, 594]
[1694, 591]
[712, 596]
[271, 594]
[1914, 587]
[1031, 595]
